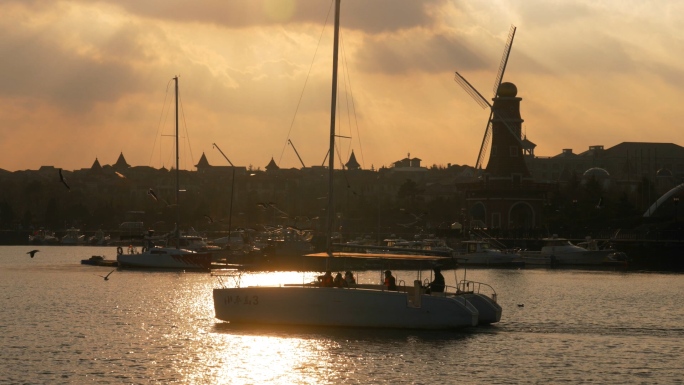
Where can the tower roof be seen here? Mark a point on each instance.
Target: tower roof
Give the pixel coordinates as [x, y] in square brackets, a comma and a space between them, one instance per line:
[96, 166]
[121, 162]
[272, 165]
[352, 164]
[203, 162]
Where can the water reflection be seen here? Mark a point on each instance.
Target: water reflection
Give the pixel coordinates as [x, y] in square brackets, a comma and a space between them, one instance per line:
[308, 355]
[63, 324]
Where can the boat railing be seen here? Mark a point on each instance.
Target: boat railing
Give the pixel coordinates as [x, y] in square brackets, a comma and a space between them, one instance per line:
[465, 286]
[224, 275]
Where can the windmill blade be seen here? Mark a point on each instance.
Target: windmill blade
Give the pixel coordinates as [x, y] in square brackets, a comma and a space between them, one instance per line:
[485, 143]
[470, 90]
[477, 96]
[504, 60]
[497, 82]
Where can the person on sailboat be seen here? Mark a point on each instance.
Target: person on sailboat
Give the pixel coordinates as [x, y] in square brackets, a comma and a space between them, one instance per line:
[326, 280]
[390, 282]
[349, 277]
[437, 284]
[339, 281]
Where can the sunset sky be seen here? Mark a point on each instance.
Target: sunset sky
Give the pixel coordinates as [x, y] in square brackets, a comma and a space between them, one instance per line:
[86, 79]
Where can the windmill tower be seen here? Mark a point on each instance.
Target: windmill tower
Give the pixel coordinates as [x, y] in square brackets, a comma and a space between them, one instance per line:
[505, 196]
[504, 125]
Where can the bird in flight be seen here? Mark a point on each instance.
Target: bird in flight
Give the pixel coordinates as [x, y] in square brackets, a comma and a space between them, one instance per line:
[106, 277]
[151, 193]
[209, 219]
[598, 205]
[120, 175]
[33, 252]
[63, 180]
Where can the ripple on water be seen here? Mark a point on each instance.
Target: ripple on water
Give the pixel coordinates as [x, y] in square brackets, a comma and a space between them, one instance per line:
[62, 324]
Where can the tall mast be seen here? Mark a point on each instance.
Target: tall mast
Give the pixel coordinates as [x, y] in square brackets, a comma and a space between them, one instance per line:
[177, 174]
[333, 103]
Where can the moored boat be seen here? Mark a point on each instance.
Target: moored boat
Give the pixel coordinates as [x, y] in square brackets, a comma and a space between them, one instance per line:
[99, 260]
[561, 252]
[175, 257]
[43, 237]
[482, 253]
[72, 237]
[164, 258]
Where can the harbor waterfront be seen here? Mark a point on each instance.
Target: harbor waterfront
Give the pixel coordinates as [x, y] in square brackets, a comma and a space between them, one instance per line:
[62, 323]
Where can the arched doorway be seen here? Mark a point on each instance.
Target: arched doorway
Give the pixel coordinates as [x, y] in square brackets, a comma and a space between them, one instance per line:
[521, 216]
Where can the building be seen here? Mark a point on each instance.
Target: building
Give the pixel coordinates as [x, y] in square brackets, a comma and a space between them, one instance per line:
[506, 196]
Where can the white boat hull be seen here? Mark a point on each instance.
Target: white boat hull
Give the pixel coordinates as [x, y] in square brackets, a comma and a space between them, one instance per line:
[343, 307]
[489, 311]
[488, 259]
[581, 258]
[166, 258]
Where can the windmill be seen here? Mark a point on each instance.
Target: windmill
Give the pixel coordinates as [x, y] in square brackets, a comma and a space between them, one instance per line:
[484, 103]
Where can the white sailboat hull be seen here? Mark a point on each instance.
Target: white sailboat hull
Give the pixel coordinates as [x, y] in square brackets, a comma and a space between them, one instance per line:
[489, 311]
[570, 258]
[488, 259]
[343, 307]
[166, 258]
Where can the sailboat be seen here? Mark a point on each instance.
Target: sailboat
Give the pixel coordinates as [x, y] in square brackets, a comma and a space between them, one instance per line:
[363, 305]
[174, 258]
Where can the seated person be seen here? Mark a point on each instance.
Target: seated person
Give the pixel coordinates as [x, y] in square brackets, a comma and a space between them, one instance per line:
[390, 282]
[325, 280]
[349, 277]
[437, 284]
[339, 281]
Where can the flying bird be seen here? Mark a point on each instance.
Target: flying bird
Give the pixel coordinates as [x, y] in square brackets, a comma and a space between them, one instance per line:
[598, 205]
[120, 175]
[63, 180]
[151, 193]
[106, 277]
[209, 219]
[33, 252]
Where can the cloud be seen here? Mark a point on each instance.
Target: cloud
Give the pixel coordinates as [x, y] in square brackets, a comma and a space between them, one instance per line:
[416, 51]
[93, 75]
[369, 16]
[46, 62]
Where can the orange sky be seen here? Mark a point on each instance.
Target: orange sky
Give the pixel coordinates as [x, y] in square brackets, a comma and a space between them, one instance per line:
[81, 79]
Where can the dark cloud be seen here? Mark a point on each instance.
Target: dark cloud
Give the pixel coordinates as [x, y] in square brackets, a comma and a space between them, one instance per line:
[369, 16]
[424, 53]
[36, 66]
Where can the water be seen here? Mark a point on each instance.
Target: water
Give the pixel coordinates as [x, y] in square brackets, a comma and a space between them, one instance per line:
[62, 323]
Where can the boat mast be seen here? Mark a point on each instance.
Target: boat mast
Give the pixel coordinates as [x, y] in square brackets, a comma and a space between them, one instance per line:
[232, 190]
[333, 103]
[177, 179]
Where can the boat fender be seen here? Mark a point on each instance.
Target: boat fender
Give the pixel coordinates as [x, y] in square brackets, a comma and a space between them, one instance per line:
[144, 249]
[119, 250]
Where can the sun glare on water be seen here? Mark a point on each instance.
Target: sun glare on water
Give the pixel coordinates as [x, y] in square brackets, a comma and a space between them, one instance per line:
[233, 354]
